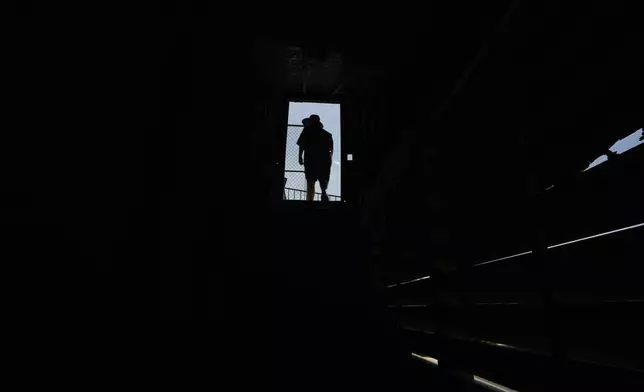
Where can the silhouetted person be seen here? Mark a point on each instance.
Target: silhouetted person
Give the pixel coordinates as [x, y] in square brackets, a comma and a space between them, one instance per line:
[317, 146]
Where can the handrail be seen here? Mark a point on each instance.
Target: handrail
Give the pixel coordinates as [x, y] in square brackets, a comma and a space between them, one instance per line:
[530, 351]
[529, 252]
[479, 380]
[302, 195]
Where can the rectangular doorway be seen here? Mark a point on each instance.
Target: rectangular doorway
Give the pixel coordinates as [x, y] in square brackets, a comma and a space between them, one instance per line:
[294, 176]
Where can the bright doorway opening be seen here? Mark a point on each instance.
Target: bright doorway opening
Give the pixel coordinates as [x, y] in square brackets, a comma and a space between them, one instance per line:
[295, 184]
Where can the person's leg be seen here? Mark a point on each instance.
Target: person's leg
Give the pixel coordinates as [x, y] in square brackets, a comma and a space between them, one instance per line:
[311, 177]
[324, 182]
[324, 185]
[310, 190]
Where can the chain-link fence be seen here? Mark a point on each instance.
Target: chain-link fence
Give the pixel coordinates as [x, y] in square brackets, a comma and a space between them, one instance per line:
[294, 179]
[296, 194]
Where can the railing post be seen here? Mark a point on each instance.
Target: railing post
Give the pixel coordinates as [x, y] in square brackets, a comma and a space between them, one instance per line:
[551, 304]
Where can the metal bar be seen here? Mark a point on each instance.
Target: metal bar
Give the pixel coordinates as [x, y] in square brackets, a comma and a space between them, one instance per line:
[479, 380]
[317, 193]
[491, 385]
[503, 258]
[596, 235]
[311, 100]
[427, 359]
[552, 246]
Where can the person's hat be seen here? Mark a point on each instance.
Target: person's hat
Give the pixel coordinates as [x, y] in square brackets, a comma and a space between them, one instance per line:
[311, 120]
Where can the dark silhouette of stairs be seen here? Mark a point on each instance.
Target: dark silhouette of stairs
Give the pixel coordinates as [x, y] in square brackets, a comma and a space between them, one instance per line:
[331, 328]
[295, 308]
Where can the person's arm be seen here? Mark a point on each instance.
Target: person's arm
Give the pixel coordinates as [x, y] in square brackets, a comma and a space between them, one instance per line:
[300, 143]
[331, 148]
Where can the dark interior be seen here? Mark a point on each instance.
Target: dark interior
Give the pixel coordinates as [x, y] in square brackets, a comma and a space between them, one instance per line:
[460, 118]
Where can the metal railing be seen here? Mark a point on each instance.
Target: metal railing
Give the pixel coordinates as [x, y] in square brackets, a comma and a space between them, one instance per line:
[298, 194]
